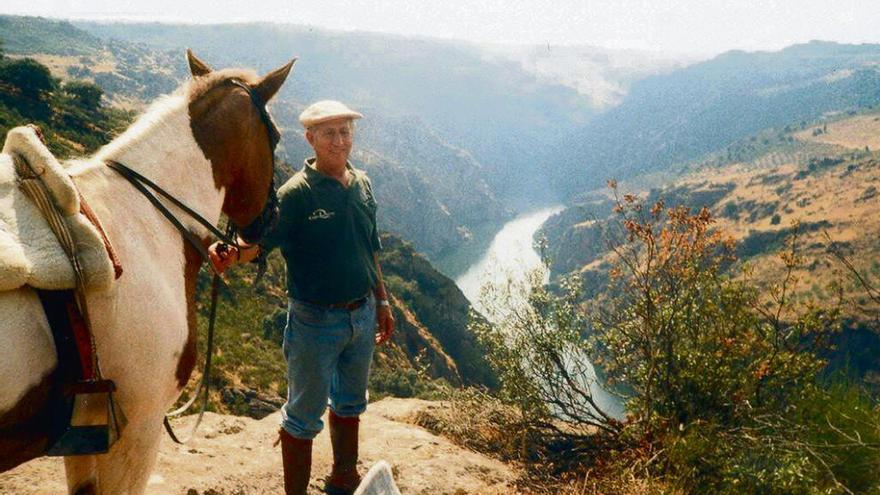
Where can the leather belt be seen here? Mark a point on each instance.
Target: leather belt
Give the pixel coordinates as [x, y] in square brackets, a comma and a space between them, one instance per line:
[350, 305]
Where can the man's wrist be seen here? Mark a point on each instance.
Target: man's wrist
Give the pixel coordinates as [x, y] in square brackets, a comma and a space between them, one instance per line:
[248, 251]
[383, 302]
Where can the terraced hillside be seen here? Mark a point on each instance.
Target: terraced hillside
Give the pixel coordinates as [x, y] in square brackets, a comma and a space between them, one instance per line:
[820, 180]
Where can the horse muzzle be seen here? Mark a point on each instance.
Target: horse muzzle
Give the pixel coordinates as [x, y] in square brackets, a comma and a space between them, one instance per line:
[255, 231]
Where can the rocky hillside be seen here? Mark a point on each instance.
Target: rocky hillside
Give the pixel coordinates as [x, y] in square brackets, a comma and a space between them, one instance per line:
[70, 113]
[817, 180]
[820, 175]
[130, 74]
[439, 304]
[431, 190]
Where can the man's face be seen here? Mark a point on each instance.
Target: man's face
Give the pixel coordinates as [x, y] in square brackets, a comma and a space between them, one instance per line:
[331, 141]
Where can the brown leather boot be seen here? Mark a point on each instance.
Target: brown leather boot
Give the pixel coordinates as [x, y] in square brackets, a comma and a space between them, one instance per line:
[344, 479]
[296, 455]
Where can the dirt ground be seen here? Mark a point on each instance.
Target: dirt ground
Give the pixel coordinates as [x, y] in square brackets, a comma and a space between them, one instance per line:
[234, 455]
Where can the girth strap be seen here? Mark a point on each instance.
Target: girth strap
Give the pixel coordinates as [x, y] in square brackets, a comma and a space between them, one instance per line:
[87, 212]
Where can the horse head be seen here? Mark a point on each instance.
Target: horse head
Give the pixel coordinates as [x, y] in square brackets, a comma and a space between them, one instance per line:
[235, 131]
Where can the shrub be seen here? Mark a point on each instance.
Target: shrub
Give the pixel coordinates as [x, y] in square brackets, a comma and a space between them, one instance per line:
[692, 340]
[731, 210]
[84, 94]
[720, 375]
[404, 383]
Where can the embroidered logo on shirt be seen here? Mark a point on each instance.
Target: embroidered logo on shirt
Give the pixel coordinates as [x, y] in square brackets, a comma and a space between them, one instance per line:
[321, 214]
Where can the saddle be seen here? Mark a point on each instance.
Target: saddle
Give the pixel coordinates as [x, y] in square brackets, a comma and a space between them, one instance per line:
[30, 252]
[51, 241]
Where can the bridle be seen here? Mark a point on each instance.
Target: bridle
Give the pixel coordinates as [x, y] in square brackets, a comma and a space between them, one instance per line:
[265, 221]
[251, 233]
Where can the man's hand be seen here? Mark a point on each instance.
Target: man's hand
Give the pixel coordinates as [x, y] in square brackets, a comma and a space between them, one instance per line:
[385, 321]
[222, 256]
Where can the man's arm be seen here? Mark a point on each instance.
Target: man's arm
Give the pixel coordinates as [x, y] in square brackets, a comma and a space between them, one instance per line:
[384, 316]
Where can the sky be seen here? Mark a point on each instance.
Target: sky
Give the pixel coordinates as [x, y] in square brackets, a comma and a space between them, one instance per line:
[697, 27]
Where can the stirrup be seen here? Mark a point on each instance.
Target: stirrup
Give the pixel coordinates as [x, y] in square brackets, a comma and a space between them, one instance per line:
[96, 434]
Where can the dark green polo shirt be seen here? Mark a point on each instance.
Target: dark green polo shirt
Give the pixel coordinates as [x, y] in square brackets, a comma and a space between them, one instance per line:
[327, 234]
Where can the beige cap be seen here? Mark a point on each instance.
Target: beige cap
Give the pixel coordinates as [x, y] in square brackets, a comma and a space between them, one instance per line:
[324, 111]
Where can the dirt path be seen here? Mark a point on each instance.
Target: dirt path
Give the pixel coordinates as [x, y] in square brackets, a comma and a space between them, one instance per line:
[234, 455]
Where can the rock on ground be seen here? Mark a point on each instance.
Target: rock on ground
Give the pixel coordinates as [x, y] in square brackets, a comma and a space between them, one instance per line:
[234, 455]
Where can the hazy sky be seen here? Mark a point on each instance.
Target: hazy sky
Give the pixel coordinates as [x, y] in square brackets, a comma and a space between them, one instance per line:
[682, 26]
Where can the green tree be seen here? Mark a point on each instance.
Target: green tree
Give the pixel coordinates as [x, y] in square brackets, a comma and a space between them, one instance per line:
[27, 77]
[84, 94]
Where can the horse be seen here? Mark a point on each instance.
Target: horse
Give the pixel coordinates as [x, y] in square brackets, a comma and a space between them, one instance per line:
[210, 146]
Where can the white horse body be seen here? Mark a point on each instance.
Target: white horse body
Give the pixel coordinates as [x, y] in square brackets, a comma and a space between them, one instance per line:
[140, 325]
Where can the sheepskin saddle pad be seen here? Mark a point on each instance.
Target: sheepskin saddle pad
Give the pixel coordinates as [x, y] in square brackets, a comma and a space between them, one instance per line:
[30, 253]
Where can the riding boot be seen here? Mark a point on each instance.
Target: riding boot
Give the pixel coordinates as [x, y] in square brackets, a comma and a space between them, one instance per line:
[296, 454]
[344, 478]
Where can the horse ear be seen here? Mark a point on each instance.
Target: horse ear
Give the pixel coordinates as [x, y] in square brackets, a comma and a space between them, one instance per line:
[196, 66]
[271, 82]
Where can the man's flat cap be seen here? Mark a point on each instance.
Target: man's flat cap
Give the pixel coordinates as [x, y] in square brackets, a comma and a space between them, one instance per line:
[326, 110]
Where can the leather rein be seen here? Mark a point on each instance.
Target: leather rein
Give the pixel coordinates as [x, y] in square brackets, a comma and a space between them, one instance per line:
[144, 186]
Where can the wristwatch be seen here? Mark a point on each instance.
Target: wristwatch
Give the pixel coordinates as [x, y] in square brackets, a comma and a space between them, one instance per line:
[383, 302]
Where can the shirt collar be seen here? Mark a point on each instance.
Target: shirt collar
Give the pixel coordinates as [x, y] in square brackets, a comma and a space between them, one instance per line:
[315, 174]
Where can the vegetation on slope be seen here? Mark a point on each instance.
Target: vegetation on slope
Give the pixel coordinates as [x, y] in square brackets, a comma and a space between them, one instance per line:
[720, 373]
[71, 114]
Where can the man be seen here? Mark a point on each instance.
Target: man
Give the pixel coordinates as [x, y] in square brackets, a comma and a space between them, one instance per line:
[327, 234]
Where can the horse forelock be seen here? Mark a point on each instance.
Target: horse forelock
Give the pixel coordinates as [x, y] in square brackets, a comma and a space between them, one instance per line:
[199, 86]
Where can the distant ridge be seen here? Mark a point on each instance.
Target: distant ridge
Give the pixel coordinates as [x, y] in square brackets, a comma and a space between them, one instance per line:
[675, 118]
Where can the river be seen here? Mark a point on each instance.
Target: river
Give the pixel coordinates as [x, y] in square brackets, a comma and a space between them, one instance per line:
[510, 256]
[509, 259]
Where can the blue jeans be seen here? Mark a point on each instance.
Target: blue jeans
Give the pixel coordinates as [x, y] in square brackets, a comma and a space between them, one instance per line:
[328, 354]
